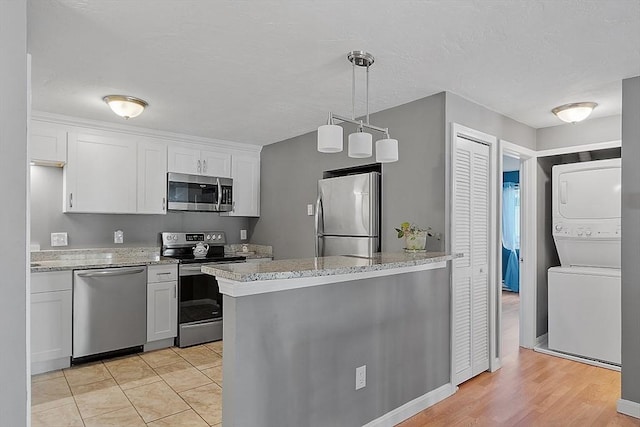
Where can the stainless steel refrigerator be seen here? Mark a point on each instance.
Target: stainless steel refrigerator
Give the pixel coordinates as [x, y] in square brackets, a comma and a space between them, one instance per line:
[348, 215]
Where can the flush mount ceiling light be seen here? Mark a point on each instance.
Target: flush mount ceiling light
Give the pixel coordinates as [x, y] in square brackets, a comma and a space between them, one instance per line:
[574, 113]
[360, 142]
[125, 106]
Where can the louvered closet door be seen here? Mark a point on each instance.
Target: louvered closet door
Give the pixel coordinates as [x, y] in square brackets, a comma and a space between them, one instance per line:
[470, 275]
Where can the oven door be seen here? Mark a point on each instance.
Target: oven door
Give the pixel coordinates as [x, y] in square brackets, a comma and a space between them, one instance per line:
[200, 307]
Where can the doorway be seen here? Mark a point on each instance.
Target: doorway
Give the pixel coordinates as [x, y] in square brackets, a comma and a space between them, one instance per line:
[510, 255]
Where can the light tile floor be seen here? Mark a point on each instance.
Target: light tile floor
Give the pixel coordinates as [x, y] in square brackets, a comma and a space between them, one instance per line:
[170, 387]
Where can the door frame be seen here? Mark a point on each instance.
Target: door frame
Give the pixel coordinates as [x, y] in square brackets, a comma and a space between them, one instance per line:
[528, 233]
[492, 142]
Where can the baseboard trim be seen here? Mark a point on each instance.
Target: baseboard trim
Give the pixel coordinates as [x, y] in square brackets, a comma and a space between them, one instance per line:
[413, 407]
[628, 407]
[50, 365]
[157, 345]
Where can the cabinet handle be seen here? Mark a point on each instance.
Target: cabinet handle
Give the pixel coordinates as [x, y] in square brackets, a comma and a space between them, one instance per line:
[163, 204]
[233, 206]
[204, 166]
[70, 200]
[199, 166]
[174, 290]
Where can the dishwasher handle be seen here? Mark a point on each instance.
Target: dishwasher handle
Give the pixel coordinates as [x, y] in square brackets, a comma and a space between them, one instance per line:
[112, 272]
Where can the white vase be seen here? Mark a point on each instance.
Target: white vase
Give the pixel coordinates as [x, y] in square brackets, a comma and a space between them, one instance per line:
[415, 241]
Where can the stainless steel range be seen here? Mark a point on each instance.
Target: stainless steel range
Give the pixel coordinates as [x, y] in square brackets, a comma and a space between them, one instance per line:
[199, 299]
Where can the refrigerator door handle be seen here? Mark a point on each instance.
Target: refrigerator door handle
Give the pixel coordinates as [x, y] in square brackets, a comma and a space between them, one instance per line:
[317, 223]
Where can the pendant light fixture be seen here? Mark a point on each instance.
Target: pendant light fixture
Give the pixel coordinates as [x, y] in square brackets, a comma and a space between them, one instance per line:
[125, 106]
[330, 139]
[575, 112]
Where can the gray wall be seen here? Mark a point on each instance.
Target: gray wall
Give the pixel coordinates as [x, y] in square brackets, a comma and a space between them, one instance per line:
[96, 230]
[413, 187]
[14, 214]
[474, 116]
[590, 131]
[631, 239]
[292, 355]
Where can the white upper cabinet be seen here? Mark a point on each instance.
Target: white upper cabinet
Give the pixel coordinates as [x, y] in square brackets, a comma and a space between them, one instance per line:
[245, 172]
[47, 143]
[192, 159]
[100, 174]
[152, 177]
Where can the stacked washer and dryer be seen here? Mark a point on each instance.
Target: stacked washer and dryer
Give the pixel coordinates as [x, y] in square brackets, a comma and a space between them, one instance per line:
[584, 292]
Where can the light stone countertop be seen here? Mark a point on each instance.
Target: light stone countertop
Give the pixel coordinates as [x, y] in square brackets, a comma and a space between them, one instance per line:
[323, 266]
[77, 259]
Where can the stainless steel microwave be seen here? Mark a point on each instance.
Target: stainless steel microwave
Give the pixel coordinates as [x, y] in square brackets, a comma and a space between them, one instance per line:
[199, 193]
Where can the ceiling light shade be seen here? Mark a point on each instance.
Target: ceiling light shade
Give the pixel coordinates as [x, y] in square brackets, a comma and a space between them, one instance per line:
[576, 112]
[386, 150]
[330, 139]
[360, 144]
[125, 106]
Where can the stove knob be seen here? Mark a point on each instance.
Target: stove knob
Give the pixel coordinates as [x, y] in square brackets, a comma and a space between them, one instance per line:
[588, 232]
[175, 237]
[208, 236]
[219, 236]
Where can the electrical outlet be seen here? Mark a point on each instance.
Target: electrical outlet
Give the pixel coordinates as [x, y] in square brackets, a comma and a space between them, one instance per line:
[309, 210]
[243, 234]
[118, 236]
[361, 377]
[58, 239]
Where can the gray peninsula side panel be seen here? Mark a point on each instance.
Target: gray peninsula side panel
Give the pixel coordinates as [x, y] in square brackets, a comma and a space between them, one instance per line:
[290, 357]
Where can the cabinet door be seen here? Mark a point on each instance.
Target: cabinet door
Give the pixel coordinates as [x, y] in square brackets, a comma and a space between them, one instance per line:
[47, 143]
[162, 310]
[216, 163]
[184, 159]
[152, 177]
[100, 174]
[246, 185]
[50, 325]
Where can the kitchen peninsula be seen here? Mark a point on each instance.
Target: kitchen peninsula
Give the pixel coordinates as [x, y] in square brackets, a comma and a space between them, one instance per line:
[295, 331]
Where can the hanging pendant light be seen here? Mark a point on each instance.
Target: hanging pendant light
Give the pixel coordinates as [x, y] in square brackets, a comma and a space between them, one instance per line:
[330, 136]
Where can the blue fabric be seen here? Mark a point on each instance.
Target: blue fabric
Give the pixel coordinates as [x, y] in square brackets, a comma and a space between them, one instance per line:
[510, 238]
[513, 176]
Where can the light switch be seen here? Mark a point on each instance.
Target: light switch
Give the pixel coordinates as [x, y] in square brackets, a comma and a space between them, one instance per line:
[243, 234]
[118, 236]
[309, 209]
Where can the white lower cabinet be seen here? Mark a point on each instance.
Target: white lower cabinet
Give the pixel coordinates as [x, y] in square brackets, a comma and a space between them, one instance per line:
[162, 302]
[50, 321]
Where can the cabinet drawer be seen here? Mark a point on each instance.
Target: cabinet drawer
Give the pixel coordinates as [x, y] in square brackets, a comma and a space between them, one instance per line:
[162, 273]
[51, 281]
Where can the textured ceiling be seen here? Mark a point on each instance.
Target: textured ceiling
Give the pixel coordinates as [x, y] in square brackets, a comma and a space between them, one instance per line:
[262, 71]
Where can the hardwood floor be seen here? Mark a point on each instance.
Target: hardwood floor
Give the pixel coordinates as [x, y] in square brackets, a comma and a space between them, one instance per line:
[531, 389]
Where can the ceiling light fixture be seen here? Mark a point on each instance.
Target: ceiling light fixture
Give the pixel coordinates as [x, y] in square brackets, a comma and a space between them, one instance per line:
[125, 106]
[575, 112]
[330, 139]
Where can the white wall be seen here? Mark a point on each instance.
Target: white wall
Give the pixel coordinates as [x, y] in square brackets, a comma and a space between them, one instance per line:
[13, 215]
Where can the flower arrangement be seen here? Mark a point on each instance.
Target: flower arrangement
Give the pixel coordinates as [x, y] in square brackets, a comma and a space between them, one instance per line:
[415, 237]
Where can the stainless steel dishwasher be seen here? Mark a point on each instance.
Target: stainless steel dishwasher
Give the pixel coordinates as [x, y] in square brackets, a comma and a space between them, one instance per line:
[109, 310]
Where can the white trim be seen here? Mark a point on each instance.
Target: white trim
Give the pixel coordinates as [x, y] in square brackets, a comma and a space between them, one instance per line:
[157, 345]
[542, 340]
[628, 407]
[528, 252]
[492, 142]
[413, 407]
[236, 289]
[133, 130]
[49, 365]
[578, 148]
